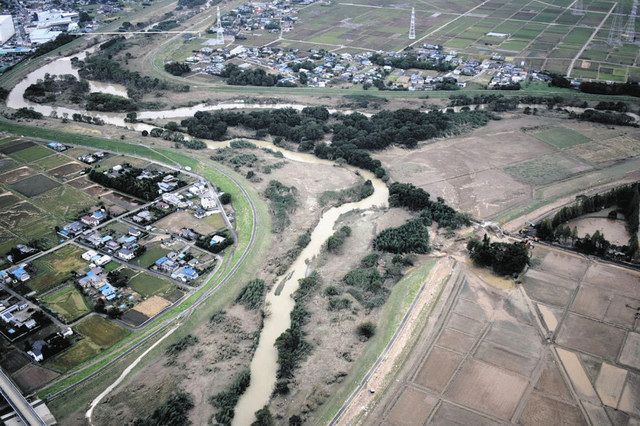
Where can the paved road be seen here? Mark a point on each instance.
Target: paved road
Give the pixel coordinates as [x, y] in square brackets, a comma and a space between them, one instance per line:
[21, 406]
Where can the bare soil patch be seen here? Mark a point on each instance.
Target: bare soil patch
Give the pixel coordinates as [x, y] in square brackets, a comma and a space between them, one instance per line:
[33, 377]
[67, 170]
[152, 306]
[412, 406]
[15, 175]
[614, 231]
[591, 337]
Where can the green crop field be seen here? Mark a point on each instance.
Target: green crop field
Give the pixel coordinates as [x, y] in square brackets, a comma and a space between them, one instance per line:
[33, 153]
[75, 355]
[561, 137]
[67, 302]
[54, 268]
[215, 220]
[50, 162]
[101, 331]
[148, 285]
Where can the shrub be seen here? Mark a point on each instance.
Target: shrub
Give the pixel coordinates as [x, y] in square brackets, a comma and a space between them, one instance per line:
[226, 400]
[366, 330]
[174, 412]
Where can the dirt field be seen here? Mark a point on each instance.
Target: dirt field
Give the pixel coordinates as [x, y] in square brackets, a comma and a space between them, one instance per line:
[614, 231]
[488, 362]
[33, 377]
[152, 306]
[501, 167]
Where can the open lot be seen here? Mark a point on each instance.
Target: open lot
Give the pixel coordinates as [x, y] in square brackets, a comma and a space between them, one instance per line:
[67, 302]
[152, 306]
[148, 285]
[205, 226]
[64, 202]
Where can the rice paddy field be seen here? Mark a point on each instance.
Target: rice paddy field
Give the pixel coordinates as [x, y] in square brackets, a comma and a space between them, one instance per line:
[558, 36]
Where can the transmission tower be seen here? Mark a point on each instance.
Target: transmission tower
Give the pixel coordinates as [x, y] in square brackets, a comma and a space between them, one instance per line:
[629, 34]
[412, 25]
[578, 8]
[219, 30]
[615, 32]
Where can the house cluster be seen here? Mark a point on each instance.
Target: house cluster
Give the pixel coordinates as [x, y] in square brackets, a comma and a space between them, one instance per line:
[16, 318]
[506, 74]
[95, 284]
[92, 157]
[77, 227]
[276, 16]
[109, 243]
[57, 146]
[52, 344]
[179, 266]
[17, 273]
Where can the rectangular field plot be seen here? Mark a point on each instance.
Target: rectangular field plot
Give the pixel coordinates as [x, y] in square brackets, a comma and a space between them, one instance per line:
[54, 268]
[100, 331]
[591, 337]
[32, 153]
[561, 137]
[68, 303]
[35, 185]
[546, 169]
[148, 285]
[64, 202]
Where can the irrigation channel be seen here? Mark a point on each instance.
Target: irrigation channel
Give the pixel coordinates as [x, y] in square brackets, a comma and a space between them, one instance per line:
[279, 301]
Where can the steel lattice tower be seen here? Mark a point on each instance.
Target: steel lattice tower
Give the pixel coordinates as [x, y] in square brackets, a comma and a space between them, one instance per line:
[219, 29]
[578, 8]
[412, 25]
[630, 29]
[615, 32]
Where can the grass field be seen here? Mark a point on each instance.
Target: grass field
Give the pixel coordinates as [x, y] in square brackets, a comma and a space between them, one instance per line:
[100, 331]
[148, 285]
[32, 154]
[546, 169]
[51, 162]
[64, 202]
[53, 268]
[67, 302]
[153, 253]
[561, 137]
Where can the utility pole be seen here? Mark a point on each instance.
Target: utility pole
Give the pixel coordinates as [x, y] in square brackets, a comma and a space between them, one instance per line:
[412, 25]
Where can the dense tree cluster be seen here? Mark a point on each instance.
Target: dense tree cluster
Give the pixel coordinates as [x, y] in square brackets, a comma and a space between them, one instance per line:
[558, 80]
[177, 68]
[496, 102]
[282, 201]
[291, 345]
[173, 412]
[612, 106]
[252, 294]
[353, 134]
[337, 239]
[26, 113]
[107, 102]
[502, 258]
[204, 241]
[605, 117]
[366, 285]
[226, 400]
[250, 77]
[128, 183]
[59, 41]
[412, 237]
[626, 198]
[411, 61]
[82, 118]
[192, 3]
[602, 88]
[417, 199]
[48, 90]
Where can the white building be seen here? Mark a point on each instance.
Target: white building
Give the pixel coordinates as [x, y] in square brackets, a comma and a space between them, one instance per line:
[7, 30]
[55, 18]
[42, 35]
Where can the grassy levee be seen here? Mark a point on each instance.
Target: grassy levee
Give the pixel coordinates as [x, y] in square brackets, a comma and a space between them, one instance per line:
[239, 264]
[402, 296]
